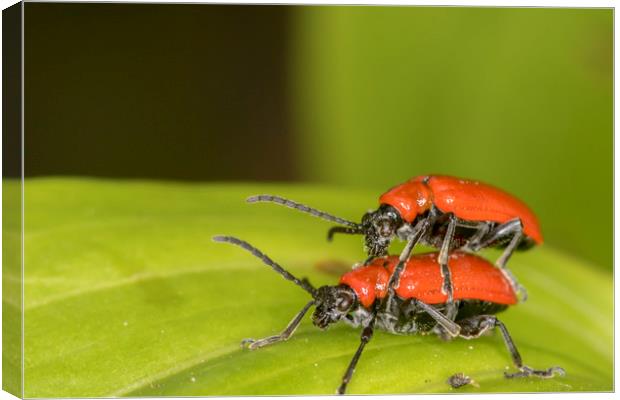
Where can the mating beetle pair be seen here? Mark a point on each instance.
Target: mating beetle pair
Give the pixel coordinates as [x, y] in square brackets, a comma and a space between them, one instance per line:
[449, 292]
[441, 211]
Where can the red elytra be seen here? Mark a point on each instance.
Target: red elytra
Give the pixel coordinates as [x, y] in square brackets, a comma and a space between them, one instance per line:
[467, 199]
[473, 278]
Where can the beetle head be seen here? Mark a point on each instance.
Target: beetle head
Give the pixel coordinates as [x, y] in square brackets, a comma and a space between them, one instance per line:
[333, 303]
[379, 228]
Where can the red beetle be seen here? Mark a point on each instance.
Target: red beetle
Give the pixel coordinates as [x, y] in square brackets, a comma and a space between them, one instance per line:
[441, 211]
[473, 278]
[418, 306]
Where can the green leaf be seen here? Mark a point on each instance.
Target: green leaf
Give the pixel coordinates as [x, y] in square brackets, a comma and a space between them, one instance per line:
[126, 294]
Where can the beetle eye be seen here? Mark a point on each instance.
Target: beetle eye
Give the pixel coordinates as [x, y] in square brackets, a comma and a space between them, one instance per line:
[344, 303]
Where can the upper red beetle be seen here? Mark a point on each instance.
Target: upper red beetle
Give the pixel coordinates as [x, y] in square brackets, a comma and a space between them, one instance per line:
[441, 211]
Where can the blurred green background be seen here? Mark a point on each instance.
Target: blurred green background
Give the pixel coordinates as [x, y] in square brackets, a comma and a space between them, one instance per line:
[521, 98]
[360, 97]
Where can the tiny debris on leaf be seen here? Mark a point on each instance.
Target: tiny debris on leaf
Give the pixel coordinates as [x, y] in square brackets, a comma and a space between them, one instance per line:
[460, 379]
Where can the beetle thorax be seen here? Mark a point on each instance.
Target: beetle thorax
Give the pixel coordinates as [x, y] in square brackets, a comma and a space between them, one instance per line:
[409, 199]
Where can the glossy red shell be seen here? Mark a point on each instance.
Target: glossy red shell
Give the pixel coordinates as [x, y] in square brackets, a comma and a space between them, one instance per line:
[467, 199]
[410, 199]
[473, 277]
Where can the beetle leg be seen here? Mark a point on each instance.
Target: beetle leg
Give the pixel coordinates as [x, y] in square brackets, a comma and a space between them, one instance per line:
[474, 241]
[443, 258]
[367, 333]
[514, 242]
[498, 234]
[474, 327]
[501, 263]
[516, 286]
[286, 333]
[451, 327]
[512, 228]
[418, 231]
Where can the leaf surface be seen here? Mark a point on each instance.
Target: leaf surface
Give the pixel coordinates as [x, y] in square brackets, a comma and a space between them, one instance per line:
[126, 294]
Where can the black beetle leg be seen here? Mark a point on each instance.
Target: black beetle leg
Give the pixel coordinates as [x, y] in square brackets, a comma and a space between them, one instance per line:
[517, 234]
[473, 243]
[418, 231]
[367, 333]
[512, 229]
[451, 327]
[473, 327]
[444, 255]
[286, 333]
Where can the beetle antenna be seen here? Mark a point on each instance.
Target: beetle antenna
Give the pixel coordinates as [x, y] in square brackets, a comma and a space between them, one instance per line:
[303, 283]
[301, 207]
[342, 229]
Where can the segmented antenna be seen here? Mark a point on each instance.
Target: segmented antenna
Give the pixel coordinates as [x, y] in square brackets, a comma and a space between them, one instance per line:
[301, 207]
[342, 229]
[303, 283]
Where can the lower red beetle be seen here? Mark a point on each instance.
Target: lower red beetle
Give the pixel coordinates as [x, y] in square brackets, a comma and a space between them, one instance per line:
[360, 299]
[441, 211]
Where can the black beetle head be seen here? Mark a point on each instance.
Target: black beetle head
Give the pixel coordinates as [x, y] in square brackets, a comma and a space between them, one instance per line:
[333, 303]
[379, 229]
